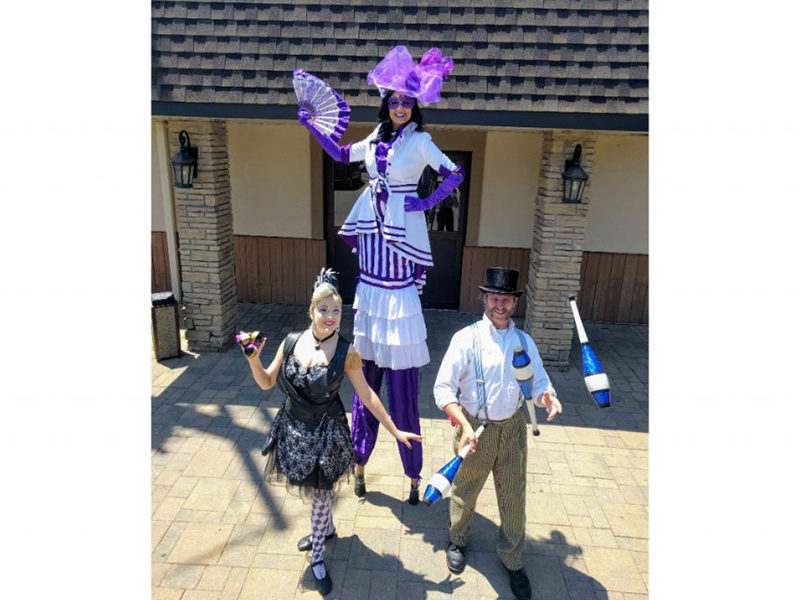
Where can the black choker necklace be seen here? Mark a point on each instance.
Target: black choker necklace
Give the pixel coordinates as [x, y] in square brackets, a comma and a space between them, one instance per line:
[320, 341]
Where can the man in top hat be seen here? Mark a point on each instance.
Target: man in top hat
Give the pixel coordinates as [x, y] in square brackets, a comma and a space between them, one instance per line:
[502, 448]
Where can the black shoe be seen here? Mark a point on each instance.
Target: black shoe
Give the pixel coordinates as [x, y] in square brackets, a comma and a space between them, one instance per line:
[413, 495]
[456, 558]
[520, 584]
[360, 487]
[304, 543]
[324, 585]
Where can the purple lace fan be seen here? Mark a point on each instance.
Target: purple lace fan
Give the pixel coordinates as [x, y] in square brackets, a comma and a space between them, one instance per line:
[329, 113]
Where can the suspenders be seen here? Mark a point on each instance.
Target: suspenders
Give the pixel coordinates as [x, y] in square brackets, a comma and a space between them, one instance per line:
[476, 351]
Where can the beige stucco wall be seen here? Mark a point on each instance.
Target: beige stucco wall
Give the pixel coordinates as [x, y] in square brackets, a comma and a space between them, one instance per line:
[509, 186]
[270, 171]
[276, 184]
[156, 200]
[618, 211]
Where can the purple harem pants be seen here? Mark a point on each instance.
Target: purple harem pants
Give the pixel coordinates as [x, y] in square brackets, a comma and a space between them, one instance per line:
[402, 387]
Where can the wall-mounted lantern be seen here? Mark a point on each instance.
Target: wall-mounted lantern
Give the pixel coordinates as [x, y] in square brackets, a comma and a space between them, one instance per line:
[184, 163]
[574, 178]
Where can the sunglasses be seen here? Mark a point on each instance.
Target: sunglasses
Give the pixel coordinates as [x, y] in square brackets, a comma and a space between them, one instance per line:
[403, 101]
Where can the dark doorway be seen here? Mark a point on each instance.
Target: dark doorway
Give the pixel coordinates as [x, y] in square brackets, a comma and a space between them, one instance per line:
[447, 224]
[446, 228]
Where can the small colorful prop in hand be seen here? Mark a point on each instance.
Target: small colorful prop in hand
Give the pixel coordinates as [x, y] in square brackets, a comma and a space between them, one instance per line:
[249, 341]
[523, 373]
[594, 377]
[442, 480]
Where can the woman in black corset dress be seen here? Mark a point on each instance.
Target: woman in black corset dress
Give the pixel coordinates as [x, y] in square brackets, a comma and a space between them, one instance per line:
[309, 445]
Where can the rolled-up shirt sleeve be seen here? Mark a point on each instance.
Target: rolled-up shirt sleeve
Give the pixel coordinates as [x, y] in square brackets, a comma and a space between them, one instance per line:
[451, 371]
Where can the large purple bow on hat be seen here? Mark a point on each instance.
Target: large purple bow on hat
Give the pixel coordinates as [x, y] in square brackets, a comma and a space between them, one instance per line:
[397, 71]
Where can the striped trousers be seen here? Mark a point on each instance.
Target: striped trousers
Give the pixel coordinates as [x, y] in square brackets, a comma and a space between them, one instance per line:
[503, 451]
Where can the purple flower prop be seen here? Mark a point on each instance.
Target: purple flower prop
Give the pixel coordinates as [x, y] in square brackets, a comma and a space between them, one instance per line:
[397, 71]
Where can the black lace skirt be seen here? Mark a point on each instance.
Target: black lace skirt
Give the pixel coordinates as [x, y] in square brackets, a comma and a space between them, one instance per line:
[307, 457]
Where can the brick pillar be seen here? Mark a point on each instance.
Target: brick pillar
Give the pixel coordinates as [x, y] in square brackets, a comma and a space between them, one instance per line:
[557, 248]
[205, 237]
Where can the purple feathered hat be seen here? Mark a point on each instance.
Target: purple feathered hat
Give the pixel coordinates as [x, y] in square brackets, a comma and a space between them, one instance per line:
[423, 81]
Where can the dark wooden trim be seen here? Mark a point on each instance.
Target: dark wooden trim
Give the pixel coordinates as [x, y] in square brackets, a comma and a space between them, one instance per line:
[433, 116]
[614, 287]
[276, 270]
[160, 280]
[476, 260]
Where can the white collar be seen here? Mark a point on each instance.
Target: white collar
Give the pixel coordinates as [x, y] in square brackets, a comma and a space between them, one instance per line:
[492, 328]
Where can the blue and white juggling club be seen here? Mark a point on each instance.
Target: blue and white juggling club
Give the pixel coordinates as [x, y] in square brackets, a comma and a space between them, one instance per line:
[523, 372]
[442, 480]
[593, 375]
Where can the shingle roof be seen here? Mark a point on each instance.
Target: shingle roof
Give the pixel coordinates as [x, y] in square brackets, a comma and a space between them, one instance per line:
[554, 56]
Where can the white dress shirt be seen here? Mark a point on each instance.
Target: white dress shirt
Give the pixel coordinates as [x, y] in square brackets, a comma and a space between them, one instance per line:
[503, 396]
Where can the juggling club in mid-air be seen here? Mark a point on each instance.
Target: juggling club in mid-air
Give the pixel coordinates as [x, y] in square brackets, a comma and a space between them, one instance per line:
[442, 480]
[593, 375]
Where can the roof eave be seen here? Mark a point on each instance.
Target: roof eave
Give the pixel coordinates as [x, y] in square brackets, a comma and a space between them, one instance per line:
[480, 118]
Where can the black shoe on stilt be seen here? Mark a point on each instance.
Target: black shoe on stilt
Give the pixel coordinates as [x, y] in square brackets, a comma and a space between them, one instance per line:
[360, 487]
[413, 495]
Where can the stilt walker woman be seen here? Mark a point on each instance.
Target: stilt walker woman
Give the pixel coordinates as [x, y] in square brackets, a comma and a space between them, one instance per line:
[387, 230]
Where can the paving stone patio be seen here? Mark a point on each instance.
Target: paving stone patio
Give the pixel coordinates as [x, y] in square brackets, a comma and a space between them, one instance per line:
[219, 533]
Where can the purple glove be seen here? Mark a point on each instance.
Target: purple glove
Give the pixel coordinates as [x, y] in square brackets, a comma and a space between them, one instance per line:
[335, 151]
[448, 185]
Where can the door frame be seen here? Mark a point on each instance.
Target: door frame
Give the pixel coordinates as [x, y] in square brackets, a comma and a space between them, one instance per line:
[460, 232]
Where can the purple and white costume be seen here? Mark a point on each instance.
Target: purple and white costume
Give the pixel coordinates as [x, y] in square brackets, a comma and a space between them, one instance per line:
[387, 229]
[393, 248]
[394, 254]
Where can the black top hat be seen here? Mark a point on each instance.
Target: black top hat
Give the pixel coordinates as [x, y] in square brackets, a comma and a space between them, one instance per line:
[501, 280]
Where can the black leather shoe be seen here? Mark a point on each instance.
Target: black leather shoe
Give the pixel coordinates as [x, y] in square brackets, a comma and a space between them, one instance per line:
[456, 558]
[304, 544]
[360, 487]
[413, 495]
[324, 585]
[520, 584]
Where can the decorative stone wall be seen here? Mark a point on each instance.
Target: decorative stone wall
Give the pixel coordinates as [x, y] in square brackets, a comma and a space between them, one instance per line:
[204, 220]
[558, 233]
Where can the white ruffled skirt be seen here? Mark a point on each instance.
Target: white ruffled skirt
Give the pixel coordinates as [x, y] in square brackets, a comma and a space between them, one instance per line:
[389, 328]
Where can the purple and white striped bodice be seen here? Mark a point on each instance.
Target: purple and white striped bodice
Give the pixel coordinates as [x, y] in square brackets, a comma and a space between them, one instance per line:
[382, 267]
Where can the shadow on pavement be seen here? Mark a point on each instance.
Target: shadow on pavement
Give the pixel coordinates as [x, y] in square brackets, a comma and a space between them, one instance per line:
[370, 565]
[548, 561]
